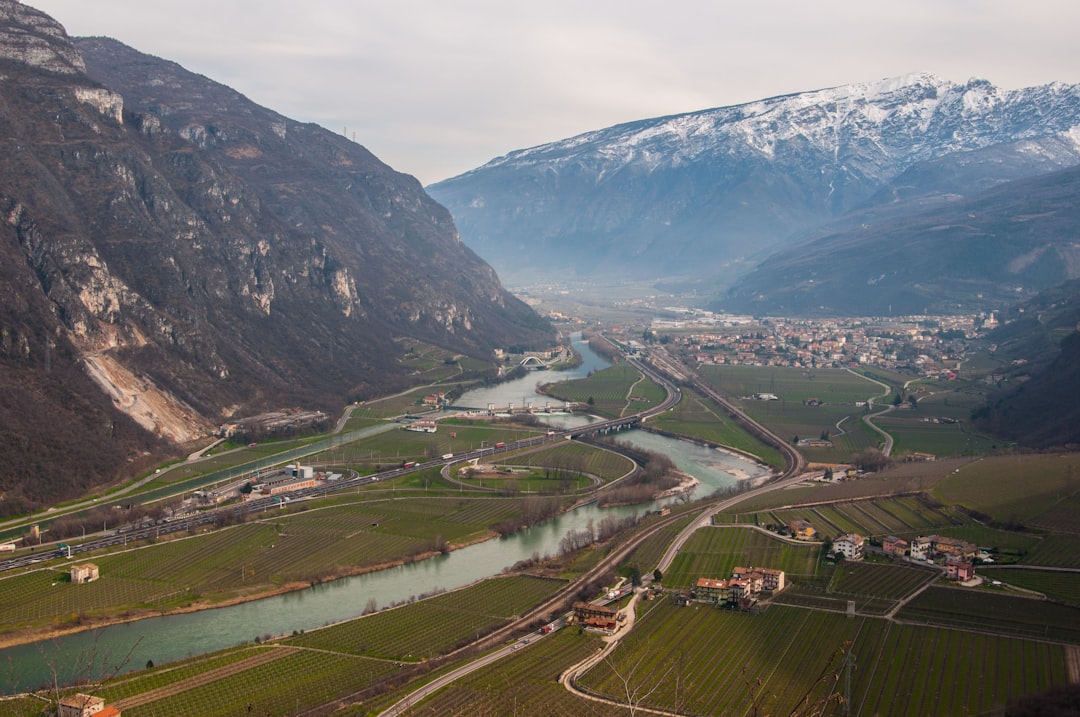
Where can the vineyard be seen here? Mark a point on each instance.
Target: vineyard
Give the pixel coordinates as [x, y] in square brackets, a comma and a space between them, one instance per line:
[905, 516]
[1005, 614]
[901, 670]
[434, 626]
[1059, 586]
[713, 552]
[1019, 489]
[699, 418]
[524, 684]
[616, 391]
[211, 567]
[292, 680]
[874, 588]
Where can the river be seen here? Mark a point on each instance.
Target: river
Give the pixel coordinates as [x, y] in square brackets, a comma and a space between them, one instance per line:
[172, 637]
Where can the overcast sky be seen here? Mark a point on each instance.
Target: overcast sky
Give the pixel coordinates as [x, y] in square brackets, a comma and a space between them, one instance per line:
[438, 87]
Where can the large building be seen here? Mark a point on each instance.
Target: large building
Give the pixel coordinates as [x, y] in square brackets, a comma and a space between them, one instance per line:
[850, 546]
[598, 617]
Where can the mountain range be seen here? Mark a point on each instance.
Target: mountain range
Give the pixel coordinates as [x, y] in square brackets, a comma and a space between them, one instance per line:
[709, 196]
[173, 255]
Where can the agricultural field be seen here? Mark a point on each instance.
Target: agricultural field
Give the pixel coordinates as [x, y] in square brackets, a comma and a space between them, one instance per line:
[615, 391]
[1019, 489]
[768, 662]
[573, 457]
[697, 417]
[255, 557]
[1059, 586]
[1056, 551]
[526, 683]
[271, 679]
[713, 552]
[836, 417]
[647, 555]
[994, 612]
[875, 588]
[313, 668]
[906, 516]
[433, 626]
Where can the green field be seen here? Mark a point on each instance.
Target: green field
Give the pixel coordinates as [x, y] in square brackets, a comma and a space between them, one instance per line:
[839, 390]
[1060, 586]
[523, 684]
[570, 458]
[265, 554]
[696, 417]
[713, 552]
[1038, 489]
[767, 663]
[874, 588]
[616, 391]
[995, 612]
[434, 626]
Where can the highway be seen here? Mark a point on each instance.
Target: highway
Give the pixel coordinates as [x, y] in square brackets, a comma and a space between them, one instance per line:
[665, 368]
[125, 534]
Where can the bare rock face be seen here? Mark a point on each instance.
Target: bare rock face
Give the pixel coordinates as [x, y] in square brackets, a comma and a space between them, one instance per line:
[32, 38]
[189, 255]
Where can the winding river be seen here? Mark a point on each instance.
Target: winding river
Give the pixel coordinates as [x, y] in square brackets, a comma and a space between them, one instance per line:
[172, 637]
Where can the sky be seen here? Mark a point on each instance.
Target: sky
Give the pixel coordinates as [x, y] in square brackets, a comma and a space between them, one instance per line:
[438, 87]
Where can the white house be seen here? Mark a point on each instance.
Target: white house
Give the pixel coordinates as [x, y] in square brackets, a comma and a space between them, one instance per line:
[850, 546]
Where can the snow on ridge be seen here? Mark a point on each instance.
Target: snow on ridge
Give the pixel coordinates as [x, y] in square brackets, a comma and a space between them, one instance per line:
[894, 114]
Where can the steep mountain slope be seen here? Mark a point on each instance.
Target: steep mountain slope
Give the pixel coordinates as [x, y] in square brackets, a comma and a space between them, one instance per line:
[709, 193]
[981, 253]
[173, 254]
[1039, 346]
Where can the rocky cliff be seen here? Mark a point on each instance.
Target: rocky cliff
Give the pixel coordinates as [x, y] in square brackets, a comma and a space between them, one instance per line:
[189, 256]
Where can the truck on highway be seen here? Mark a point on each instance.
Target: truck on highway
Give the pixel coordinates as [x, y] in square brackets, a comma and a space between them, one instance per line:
[408, 464]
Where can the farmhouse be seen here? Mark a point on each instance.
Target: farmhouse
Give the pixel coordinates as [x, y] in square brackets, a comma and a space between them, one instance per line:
[84, 573]
[82, 705]
[953, 546]
[599, 617]
[922, 548]
[712, 590]
[959, 569]
[424, 425]
[802, 530]
[850, 546]
[895, 546]
[742, 590]
[767, 579]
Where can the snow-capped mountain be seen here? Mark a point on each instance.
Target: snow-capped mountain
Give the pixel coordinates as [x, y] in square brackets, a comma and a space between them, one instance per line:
[710, 193]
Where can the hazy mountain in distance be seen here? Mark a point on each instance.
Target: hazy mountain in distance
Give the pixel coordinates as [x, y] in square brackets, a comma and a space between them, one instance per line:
[709, 194]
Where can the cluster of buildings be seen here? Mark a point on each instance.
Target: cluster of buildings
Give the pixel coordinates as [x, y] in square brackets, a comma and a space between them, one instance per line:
[934, 345]
[957, 555]
[741, 590]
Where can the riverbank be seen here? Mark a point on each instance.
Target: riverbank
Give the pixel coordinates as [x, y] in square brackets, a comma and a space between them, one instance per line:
[130, 615]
